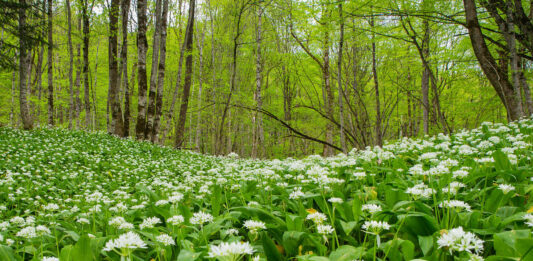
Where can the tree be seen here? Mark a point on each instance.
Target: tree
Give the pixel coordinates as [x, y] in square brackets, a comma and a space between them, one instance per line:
[50, 66]
[142, 46]
[24, 60]
[495, 74]
[117, 125]
[189, 32]
[72, 109]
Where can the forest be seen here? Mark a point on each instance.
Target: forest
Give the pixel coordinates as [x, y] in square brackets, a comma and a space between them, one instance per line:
[265, 79]
[266, 130]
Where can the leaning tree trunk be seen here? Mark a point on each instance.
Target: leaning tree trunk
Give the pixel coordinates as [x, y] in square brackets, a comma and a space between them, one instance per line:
[142, 46]
[24, 60]
[180, 127]
[494, 73]
[114, 85]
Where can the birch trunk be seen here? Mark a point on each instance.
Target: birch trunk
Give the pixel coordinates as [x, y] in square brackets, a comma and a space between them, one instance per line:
[142, 46]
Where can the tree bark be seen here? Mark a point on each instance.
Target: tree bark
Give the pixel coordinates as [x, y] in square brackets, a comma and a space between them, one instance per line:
[189, 32]
[71, 110]
[142, 46]
[339, 81]
[124, 14]
[152, 92]
[379, 138]
[198, 138]
[161, 73]
[85, 70]
[425, 80]
[50, 66]
[257, 117]
[24, 55]
[170, 113]
[494, 73]
[117, 125]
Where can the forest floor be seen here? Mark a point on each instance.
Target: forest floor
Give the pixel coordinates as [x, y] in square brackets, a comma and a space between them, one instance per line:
[73, 195]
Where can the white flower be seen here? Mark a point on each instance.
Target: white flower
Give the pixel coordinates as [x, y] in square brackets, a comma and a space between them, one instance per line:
[375, 227]
[324, 229]
[27, 232]
[149, 222]
[458, 240]
[175, 220]
[230, 251]
[529, 219]
[49, 258]
[42, 230]
[371, 208]
[127, 241]
[317, 217]
[296, 194]
[420, 191]
[506, 188]
[200, 218]
[120, 223]
[82, 220]
[232, 231]
[254, 226]
[165, 239]
[336, 200]
[455, 204]
[359, 175]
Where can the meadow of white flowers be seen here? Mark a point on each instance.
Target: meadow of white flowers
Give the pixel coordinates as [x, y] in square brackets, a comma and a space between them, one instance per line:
[76, 196]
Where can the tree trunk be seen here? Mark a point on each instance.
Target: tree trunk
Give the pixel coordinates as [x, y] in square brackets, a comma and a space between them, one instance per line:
[425, 80]
[189, 32]
[510, 38]
[328, 97]
[161, 73]
[78, 79]
[142, 45]
[24, 54]
[220, 138]
[339, 81]
[199, 148]
[170, 112]
[87, 101]
[50, 66]
[71, 109]
[257, 130]
[124, 16]
[379, 139]
[114, 83]
[494, 73]
[152, 92]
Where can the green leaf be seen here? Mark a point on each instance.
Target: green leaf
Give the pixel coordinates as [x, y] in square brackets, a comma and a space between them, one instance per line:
[82, 250]
[419, 224]
[346, 253]
[426, 244]
[271, 251]
[66, 253]
[187, 255]
[291, 241]
[348, 227]
[6, 253]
